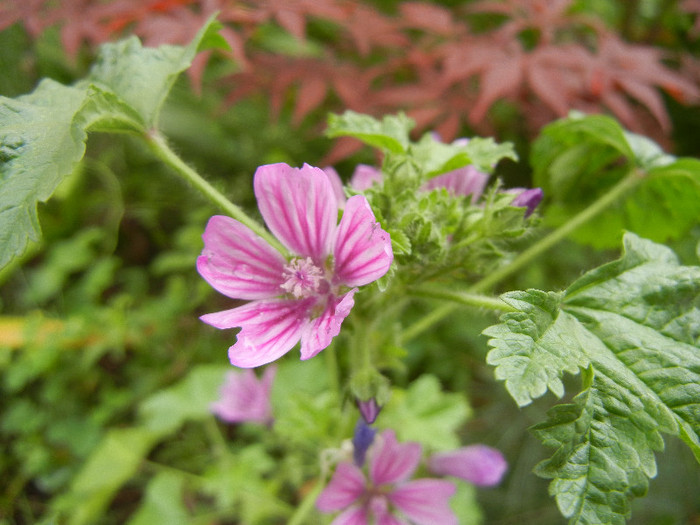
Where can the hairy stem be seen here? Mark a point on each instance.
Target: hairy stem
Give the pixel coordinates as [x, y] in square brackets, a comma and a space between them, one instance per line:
[459, 297]
[159, 146]
[633, 178]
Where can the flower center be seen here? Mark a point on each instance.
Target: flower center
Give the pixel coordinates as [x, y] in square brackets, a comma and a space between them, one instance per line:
[303, 278]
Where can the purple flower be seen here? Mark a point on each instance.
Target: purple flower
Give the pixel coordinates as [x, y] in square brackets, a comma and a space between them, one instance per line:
[387, 497]
[460, 182]
[302, 298]
[361, 441]
[478, 464]
[525, 198]
[369, 409]
[244, 397]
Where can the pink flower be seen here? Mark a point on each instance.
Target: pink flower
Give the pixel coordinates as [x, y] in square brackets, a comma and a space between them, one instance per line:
[304, 297]
[387, 497]
[245, 398]
[478, 464]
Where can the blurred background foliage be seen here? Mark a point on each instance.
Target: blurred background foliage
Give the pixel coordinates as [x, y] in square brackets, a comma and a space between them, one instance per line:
[100, 319]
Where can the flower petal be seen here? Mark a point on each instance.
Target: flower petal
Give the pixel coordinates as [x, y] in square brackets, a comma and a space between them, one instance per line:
[392, 462]
[477, 464]
[269, 329]
[244, 397]
[352, 516]
[362, 249]
[425, 501]
[319, 332]
[336, 184]
[238, 263]
[346, 487]
[299, 207]
[460, 182]
[364, 177]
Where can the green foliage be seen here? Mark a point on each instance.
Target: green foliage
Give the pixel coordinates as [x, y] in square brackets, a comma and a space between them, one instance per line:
[435, 232]
[423, 405]
[389, 135]
[633, 324]
[578, 159]
[43, 134]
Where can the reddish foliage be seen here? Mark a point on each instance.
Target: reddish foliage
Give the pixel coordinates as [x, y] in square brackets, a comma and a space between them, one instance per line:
[425, 59]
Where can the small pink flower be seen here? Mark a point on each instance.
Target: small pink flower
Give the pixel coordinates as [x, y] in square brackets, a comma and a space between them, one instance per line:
[302, 298]
[245, 398]
[387, 497]
[478, 464]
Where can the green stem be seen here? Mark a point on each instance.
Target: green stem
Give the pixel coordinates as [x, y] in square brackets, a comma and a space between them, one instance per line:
[160, 148]
[633, 178]
[458, 297]
[307, 504]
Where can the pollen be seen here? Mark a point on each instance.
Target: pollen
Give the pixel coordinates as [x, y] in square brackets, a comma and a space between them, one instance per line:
[303, 278]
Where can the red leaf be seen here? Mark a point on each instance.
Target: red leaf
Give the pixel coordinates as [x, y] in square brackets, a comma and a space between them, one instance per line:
[312, 92]
[428, 17]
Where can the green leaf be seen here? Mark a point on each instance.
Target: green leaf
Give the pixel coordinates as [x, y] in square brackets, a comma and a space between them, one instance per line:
[635, 324]
[435, 157]
[389, 134]
[142, 77]
[426, 414]
[578, 159]
[113, 462]
[162, 504]
[39, 146]
[43, 134]
[188, 400]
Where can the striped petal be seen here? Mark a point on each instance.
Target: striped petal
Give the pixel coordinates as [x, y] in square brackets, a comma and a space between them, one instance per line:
[346, 487]
[393, 462]
[238, 263]
[425, 501]
[477, 464]
[299, 207]
[352, 516]
[269, 329]
[319, 333]
[362, 249]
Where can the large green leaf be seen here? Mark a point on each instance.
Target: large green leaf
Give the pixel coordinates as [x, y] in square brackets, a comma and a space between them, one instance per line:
[634, 324]
[577, 159]
[43, 134]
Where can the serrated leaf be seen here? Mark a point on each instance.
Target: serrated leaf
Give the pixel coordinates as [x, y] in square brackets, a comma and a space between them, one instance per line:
[187, 400]
[43, 134]
[604, 455]
[142, 77]
[39, 146]
[635, 323]
[389, 134]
